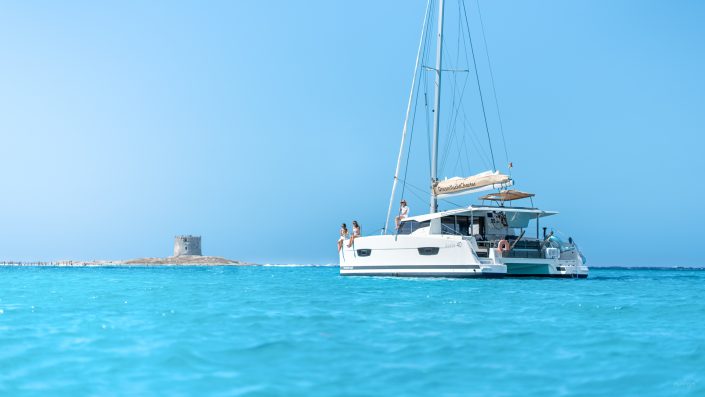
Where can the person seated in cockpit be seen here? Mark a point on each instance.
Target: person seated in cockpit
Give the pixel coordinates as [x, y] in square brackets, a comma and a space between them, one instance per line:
[552, 241]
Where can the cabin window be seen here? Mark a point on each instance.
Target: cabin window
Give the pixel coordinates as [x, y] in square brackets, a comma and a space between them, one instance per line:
[364, 252]
[409, 227]
[457, 225]
[448, 225]
[428, 250]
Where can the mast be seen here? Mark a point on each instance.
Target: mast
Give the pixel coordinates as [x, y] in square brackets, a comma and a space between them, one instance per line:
[437, 106]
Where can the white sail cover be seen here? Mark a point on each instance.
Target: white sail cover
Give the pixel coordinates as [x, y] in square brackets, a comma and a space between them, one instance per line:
[483, 181]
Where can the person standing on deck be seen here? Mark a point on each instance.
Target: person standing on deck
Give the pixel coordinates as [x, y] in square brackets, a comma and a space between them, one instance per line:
[403, 213]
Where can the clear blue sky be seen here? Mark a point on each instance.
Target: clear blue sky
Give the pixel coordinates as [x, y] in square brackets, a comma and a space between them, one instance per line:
[264, 125]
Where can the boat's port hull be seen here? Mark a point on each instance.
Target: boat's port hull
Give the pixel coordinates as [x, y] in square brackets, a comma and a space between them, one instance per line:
[414, 256]
[444, 256]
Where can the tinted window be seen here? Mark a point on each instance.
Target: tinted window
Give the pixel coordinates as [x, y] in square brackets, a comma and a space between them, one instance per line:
[458, 225]
[428, 250]
[409, 227]
[364, 252]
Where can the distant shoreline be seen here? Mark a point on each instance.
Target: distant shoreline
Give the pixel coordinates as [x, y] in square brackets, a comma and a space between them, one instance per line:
[184, 260]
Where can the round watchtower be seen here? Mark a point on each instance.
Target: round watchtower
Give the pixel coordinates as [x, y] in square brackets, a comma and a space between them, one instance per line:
[187, 245]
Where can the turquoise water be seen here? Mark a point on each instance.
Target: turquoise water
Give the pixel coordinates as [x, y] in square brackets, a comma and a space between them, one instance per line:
[305, 331]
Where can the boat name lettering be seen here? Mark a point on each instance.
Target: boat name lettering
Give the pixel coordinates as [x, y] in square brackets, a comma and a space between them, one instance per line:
[455, 186]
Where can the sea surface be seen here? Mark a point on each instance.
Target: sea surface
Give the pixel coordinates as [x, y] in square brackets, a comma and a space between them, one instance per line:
[306, 331]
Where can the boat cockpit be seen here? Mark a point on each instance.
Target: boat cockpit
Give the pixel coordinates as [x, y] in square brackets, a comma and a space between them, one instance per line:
[489, 227]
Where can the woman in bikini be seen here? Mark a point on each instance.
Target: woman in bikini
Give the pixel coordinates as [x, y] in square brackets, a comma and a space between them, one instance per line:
[343, 236]
[355, 233]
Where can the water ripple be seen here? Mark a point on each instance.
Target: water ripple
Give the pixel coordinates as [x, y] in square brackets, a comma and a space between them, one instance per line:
[304, 330]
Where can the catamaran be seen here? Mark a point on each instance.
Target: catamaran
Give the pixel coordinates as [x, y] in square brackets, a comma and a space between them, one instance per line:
[495, 238]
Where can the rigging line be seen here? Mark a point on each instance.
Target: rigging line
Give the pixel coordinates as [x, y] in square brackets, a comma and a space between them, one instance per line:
[417, 195]
[418, 88]
[422, 199]
[453, 116]
[454, 122]
[465, 121]
[421, 190]
[427, 49]
[413, 119]
[428, 126]
[450, 202]
[452, 106]
[479, 88]
[463, 156]
[463, 160]
[406, 119]
[476, 141]
[494, 90]
[466, 151]
[448, 115]
[455, 169]
[411, 135]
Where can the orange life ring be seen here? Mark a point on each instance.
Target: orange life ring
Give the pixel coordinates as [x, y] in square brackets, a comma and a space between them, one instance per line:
[503, 246]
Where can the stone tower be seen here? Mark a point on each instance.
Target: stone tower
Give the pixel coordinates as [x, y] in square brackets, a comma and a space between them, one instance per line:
[187, 245]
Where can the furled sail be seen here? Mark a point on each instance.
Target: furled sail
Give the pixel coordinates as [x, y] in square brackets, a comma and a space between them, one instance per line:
[484, 181]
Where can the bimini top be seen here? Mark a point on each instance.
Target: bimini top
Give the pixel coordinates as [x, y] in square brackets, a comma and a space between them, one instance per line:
[507, 195]
[530, 213]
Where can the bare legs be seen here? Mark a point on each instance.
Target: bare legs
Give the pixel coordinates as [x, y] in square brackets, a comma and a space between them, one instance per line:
[397, 220]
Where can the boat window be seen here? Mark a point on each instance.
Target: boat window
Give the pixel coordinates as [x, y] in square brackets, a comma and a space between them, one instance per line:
[457, 225]
[364, 252]
[463, 225]
[448, 225]
[409, 227]
[428, 250]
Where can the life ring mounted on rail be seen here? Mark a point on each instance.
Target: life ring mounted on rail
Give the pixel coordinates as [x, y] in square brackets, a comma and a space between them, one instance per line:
[503, 246]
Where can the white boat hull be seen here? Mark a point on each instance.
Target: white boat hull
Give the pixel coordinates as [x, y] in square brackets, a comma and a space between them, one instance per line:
[444, 256]
[415, 256]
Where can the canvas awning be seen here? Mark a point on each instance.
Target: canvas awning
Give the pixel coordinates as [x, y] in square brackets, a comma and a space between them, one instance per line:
[483, 181]
[507, 195]
[532, 213]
